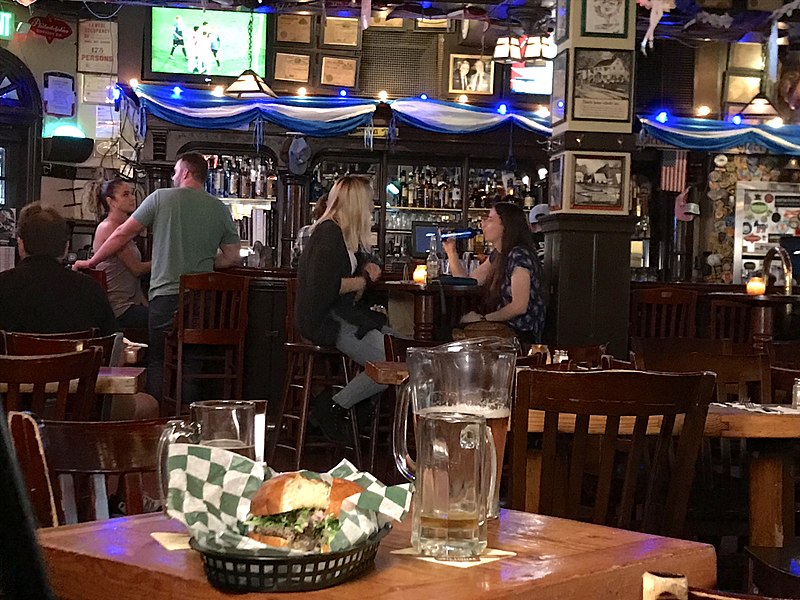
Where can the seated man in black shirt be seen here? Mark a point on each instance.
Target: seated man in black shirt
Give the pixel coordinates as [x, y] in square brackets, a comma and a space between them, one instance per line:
[42, 296]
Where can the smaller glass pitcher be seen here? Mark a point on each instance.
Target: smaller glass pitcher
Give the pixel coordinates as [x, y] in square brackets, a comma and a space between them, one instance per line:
[228, 424]
[452, 484]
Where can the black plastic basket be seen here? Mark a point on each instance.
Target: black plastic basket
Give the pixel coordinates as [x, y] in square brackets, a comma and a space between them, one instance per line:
[259, 571]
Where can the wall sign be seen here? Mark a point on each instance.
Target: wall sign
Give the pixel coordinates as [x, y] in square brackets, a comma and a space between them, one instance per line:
[50, 28]
[6, 25]
[96, 42]
[58, 94]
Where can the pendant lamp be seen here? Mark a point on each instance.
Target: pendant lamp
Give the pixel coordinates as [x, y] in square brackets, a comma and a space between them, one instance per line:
[249, 85]
[507, 50]
[539, 47]
[759, 111]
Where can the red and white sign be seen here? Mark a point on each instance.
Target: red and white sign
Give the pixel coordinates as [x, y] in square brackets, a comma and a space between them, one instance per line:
[50, 28]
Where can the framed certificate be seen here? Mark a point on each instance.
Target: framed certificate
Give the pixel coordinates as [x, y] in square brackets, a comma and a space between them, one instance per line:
[294, 29]
[340, 31]
[380, 20]
[292, 67]
[339, 71]
[432, 24]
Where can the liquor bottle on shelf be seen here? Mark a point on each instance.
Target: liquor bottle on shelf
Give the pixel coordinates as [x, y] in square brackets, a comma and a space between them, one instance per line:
[432, 260]
[403, 189]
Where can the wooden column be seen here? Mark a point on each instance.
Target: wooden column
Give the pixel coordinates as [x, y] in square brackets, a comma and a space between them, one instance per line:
[587, 236]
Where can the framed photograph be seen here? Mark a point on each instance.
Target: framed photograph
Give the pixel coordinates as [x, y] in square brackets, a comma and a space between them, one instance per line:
[556, 183]
[471, 74]
[605, 18]
[339, 71]
[340, 31]
[602, 85]
[558, 98]
[599, 182]
[382, 21]
[292, 67]
[432, 24]
[562, 21]
[294, 29]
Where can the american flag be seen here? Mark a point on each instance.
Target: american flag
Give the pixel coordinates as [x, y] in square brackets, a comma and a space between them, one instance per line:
[673, 170]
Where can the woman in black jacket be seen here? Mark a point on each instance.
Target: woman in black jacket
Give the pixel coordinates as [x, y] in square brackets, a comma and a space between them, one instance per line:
[331, 281]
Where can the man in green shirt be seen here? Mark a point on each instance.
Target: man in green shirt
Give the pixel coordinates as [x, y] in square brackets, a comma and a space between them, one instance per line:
[189, 226]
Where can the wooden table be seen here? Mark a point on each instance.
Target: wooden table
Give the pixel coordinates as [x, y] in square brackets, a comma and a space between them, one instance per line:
[762, 312]
[424, 296]
[556, 559]
[111, 380]
[771, 470]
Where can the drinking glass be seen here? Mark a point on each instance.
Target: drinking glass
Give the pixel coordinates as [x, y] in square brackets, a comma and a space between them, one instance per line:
[452, 484]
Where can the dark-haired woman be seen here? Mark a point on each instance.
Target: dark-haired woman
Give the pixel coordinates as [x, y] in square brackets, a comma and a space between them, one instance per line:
[123, 270]
[512, 275]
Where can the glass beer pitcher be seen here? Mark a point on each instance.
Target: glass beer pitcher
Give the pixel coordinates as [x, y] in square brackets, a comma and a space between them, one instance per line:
[472, 376]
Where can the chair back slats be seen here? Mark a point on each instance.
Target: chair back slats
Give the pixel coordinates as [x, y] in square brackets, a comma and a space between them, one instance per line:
[213, 309]
[663, 313]
[730, 320]
[636, 480]
[784, 353]
[28, 377]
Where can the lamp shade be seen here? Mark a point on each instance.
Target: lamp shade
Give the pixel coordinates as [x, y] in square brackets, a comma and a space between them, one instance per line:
[507, 50]
[759, 110]
[249, 85]
[539, 47]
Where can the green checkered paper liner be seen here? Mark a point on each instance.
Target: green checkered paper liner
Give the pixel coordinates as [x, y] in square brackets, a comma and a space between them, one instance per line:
[210, 489]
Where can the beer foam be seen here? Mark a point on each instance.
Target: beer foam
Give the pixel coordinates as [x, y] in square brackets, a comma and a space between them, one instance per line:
[488, 412]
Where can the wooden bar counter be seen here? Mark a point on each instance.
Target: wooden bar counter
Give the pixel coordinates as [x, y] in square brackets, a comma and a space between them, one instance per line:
[556, 559]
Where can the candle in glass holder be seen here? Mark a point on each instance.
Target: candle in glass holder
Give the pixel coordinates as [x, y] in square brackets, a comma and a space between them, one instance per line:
[756, 286]
[420, 274]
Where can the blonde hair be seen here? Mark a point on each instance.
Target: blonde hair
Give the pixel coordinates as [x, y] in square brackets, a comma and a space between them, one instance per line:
[350, 207]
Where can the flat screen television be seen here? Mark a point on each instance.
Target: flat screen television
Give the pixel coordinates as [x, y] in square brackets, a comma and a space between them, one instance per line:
[534, 77]
[197, 46]
[421, 232]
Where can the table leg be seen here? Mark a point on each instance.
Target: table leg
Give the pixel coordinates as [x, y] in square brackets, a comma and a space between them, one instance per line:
[771, 499]
[423, 317]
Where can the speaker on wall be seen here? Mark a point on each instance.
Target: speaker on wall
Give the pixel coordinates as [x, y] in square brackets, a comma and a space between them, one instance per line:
[66, 149]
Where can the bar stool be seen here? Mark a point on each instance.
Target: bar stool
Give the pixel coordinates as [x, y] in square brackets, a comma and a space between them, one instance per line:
[212, 312]
[309, 367]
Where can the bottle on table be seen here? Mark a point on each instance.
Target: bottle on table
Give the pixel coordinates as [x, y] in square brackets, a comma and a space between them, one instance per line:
[796, 393]
[432, 261]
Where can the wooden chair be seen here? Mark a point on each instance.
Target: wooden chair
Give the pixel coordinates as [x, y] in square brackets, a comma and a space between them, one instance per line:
[784, 353]
[80, 456]
[310, 368]
[591, 492]
[663, 312]
[782, 379]
[610, 362]
[28, 345]
[66, 335]
[730, 320]
[99, 276]
[212, 313]
[22, 372]
[655, 348]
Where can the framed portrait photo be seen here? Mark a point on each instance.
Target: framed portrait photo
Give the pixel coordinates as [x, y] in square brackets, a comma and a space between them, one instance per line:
[340, 31]
[471, 74]
[339, 71]
[558, 97]
[562, 21]
[599, 182]
[602, 85]
[292, 67]
[293, 29]
[605, 18]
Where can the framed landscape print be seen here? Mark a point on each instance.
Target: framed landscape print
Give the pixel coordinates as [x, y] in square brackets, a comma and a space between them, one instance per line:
[339, 71]
[558, 98]
[341, 31]
[292, 67]
[294, 29]
[605, 18]
[602, 85]
[562, 21]
[471, 74]
[598, 182]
